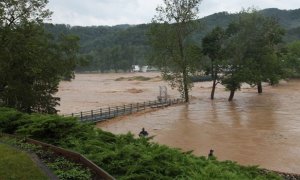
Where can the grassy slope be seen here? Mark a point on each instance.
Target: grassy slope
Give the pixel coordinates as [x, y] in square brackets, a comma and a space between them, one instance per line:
[17, 165]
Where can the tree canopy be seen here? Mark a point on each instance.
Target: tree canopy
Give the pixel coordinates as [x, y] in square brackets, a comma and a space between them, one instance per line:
[291, 59]
[247, 51]
[131, 45]
[261, 35]
[213, 47]
[170, 37]
[31, 62]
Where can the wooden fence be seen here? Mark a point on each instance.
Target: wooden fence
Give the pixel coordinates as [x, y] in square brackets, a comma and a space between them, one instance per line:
[102, 114]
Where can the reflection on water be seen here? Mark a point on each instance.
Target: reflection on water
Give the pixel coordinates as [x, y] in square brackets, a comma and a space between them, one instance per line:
[252, 130]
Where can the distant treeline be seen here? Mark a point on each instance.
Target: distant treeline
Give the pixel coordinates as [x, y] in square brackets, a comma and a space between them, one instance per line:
[119, 47]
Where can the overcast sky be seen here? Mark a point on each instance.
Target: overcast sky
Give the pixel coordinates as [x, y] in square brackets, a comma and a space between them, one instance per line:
[113, 12]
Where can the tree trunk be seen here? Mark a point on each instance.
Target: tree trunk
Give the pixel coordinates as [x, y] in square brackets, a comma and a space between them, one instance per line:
[186, 93]
[185, 87]
[184, 70]
[231, 95]
[212, 95]
[259, 88]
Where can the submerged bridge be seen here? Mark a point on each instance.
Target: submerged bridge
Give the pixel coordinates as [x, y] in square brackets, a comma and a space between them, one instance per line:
[102, 114]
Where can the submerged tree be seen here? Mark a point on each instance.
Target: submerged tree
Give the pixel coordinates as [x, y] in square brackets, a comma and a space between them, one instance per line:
[213, 47]
[31, 62]
[261, 35]
[251, 52]
[170, 37]
[233, 67]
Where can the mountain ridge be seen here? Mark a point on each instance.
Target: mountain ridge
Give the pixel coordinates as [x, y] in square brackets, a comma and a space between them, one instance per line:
[120, 46]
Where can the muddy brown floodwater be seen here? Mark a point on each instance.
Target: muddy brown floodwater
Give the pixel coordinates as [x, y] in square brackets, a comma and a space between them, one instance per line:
[254, 129]
[91, 91]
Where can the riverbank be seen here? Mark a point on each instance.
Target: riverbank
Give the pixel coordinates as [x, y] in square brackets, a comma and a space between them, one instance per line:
[252, 130]
[124, 156]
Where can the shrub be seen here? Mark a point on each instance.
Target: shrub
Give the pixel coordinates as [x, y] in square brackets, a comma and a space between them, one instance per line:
[8, 118]
[53, 128]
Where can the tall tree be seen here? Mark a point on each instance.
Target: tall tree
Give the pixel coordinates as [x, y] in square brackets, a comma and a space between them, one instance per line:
[251, 47]
[213, 47]
[291, 59]
[170, 38]
[261, 34]
[31, 63]
[234, 58]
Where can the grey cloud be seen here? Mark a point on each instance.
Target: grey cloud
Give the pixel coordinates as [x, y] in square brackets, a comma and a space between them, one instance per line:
[112, 12]
[96, 12]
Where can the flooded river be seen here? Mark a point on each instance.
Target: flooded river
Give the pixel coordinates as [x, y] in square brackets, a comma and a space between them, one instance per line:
[252, 130]
[91, 91]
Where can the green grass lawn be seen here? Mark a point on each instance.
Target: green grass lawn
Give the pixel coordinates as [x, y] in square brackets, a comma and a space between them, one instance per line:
[16, 164]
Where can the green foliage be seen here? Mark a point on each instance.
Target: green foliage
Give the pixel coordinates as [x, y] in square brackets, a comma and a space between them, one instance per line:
[213, 47]
[130, 43]
[291, 59]
[52, 128]
[41, 127]
[170, 37]
[108, 48]
[250, 51]
[212, 43]
[67, 170]
[232, 66]
[126, 157]
[8, 118]
[232, 81]
[31, 62]
[261, 36]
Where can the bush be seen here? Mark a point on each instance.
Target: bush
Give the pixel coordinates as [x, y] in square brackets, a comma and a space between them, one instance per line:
[8, 118]
[53, 128]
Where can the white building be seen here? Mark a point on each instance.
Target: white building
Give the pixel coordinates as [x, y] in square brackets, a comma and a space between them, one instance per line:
[144, 68]
[136, 68]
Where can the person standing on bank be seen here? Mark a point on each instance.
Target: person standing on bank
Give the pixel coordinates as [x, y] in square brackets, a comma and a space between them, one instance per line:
[211, 154]
[143, 133]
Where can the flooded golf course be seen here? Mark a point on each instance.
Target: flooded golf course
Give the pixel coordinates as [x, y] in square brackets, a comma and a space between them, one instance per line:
[254, 129]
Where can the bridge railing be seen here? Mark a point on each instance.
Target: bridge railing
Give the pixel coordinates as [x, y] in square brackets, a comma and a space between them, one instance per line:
[115, 111]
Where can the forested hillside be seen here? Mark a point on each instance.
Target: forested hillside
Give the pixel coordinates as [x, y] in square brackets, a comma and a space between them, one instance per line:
[118, 47]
